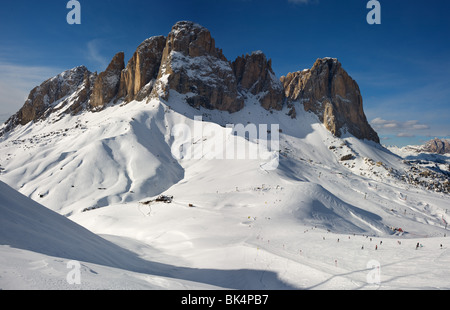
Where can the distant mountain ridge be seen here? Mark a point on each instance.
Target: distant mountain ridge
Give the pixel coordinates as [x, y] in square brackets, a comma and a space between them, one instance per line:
[328, 91]
[188, 62]
[436, 146]
[439, 146]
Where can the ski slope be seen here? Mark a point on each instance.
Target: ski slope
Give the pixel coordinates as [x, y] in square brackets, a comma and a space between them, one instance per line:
[297, 217]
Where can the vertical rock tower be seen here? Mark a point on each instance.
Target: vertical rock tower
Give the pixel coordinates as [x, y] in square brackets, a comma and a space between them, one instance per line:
[328, 91]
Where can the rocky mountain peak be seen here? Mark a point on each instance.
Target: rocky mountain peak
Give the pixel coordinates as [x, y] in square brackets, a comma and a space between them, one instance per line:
[137, 79]
[192, 40]
[65, 92]
[438, 146]
[107, 84]
[187, 61]
[192, 65]
[327, 90]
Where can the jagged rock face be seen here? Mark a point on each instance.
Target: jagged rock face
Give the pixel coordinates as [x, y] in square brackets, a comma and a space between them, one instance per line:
[106, 86]
[437, 146]
[83, 94]
[54, 95]
[192, 40]
[254, 74]
[192, 65]
[137, 79]
[188, 62]
[328, 91]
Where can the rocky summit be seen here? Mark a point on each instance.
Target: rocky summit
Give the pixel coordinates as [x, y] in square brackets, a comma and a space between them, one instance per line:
[439, 146]
[106, 86]
[66, 92]
[188, 62]
[328, 91]
[192, 65]
[137, 79]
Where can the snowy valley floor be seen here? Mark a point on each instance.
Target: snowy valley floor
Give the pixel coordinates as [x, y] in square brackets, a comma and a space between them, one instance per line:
[310, 262]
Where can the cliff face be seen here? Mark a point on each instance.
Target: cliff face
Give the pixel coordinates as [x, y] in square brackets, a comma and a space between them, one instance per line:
[191, 64]
[187, 61]
[68, 91]
[254, 75]
[328, 91]
[137, 79]
[106, 86]
[438, 146]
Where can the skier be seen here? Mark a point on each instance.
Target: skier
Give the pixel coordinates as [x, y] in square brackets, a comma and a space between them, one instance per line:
[417, 245]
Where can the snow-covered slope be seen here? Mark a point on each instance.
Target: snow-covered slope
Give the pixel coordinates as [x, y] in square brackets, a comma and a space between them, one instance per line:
[41, 249]
[306, 214]
[39, 245]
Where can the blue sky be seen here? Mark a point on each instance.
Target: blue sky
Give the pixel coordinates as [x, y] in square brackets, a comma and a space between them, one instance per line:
[402, 66]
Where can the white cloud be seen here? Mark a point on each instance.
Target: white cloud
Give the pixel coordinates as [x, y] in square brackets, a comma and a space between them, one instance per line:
[94, 55]
[404, 135]
[415, 125]
[401, 128]
[17, 80]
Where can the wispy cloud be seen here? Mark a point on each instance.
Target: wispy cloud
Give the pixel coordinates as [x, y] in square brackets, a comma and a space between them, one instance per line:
[416, 109]
[94, 54]
[389, 124]
[16, 82]
[399, 128]
[405, 135]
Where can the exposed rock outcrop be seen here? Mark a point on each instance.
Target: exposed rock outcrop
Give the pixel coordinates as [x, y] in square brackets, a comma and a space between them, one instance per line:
[254, 74]
[438, 146]
[188, 62]
[137, 79]
[81, 99]
[106, 86]
[328, 91]
[72, 87]
[192, 65]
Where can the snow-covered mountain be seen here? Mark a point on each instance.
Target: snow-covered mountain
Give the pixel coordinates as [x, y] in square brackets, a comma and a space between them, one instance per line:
[434, 146]
[429, 165]
[272, 184]
[41, 249]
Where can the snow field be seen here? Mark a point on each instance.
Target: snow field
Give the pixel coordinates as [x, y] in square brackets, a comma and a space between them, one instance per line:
[232, 223]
